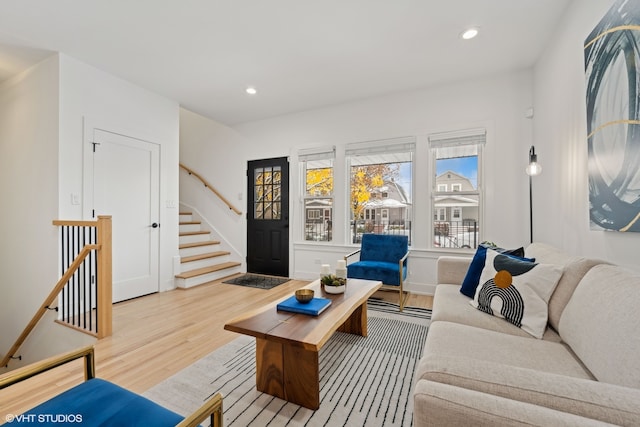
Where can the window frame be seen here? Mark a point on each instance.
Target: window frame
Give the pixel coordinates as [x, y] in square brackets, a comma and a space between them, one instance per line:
[472, 140]
[319, 228]
[402, 147]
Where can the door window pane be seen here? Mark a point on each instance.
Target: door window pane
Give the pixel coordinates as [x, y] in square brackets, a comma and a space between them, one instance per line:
[267, 193]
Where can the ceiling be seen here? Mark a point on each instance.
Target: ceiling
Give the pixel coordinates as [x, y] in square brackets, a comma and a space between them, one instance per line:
[298, 54]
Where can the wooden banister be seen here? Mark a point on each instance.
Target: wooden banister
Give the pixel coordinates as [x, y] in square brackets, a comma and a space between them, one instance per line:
[210, 187]
[103, 250]
[47, 302]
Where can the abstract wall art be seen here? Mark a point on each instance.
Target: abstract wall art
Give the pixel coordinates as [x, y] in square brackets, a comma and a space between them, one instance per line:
[612, 67]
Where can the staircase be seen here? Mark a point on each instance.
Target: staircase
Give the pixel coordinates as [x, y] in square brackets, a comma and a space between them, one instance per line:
[201, 258]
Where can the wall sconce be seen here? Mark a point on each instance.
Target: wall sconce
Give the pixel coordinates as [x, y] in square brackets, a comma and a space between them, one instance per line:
[532, 169]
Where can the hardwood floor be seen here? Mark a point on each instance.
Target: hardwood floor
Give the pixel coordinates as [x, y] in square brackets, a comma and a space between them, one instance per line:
[158, 335]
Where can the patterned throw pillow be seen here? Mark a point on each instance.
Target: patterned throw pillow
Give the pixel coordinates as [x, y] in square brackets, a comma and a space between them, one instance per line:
[517, 291]
[472, 278]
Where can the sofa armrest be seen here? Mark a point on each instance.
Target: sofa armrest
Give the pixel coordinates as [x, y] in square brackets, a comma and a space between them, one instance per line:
[437, 404]
[588, 398]
[452, 269]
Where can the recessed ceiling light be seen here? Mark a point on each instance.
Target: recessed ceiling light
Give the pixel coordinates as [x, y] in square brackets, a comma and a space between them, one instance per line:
[251, 90]
[469, 34]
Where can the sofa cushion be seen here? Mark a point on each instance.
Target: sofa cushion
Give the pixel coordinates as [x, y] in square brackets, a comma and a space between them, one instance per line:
[452, 269]
[386, 272]
[451, 306]
[99, 402]
[446, 339]
[517, 291]
[438, 404]
[601, 321]
[574, 268]
[472, 277]
[578, 396]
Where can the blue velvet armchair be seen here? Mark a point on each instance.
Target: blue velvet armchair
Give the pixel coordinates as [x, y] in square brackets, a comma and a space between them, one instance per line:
[382, 257]
[97, 402]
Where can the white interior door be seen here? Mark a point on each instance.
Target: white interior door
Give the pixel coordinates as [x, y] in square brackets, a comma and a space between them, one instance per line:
[126, 185]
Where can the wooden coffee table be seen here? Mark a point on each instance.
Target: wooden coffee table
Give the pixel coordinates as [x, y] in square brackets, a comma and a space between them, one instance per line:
[287, 344]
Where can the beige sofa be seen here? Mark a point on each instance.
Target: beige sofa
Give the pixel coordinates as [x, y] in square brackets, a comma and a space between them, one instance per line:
[480, 370]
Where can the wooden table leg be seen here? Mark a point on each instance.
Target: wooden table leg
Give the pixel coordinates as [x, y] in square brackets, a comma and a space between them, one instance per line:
[301, 376]
[356, 323]
[288, 372]
[269, 368]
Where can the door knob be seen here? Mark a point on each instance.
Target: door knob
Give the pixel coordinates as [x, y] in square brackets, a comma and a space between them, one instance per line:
[155, 225]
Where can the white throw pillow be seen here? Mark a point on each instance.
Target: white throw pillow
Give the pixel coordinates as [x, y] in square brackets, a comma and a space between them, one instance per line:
[517, 291]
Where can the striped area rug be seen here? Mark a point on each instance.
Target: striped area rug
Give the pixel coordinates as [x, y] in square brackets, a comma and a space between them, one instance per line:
[363, 381]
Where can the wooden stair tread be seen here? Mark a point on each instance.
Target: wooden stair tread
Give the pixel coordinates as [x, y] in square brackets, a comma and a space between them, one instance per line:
[194, 233]
[196, 244]
[203, 256]
[189, 223]
[204, 270]
[185, 213]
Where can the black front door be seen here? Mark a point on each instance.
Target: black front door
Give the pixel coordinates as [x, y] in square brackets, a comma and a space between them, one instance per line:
[268, 217]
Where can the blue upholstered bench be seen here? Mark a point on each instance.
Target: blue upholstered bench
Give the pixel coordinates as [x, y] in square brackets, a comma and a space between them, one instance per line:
[97, 402]
[383, 257]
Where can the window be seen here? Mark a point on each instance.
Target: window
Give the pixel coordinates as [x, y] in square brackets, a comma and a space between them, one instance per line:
[267, 187]
[381, 175]
[457, 161]
[317, 173]
[370, 214]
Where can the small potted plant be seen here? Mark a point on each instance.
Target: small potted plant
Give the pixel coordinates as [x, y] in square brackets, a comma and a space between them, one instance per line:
[333, 284]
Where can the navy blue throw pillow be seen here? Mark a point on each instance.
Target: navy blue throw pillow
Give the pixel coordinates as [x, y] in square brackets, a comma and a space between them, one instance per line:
[471, 280]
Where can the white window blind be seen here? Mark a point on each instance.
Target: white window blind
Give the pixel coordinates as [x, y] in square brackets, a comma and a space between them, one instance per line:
[394, 150]
[319, 153]
[464, 143]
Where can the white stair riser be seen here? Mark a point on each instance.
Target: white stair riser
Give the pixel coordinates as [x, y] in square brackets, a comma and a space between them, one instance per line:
[199, 250]
[185, 218]
[193, 265]
[195, 238]
[185, 228]
[209, 277]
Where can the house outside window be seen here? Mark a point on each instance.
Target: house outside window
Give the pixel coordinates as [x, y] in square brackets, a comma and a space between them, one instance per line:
[457, 162]
[381, 185]
[317, 173]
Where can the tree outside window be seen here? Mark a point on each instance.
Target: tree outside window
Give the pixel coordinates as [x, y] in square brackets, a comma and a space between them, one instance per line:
[317, 168]
[380, 187]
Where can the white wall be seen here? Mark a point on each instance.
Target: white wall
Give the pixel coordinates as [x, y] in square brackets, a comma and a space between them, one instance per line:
[42, 114]
[29, 188]
[218, 154]
[497, 103]
[89, 95]
[561, 216]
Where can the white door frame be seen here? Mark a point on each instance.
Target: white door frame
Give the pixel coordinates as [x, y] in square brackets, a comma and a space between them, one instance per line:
[89, 129]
